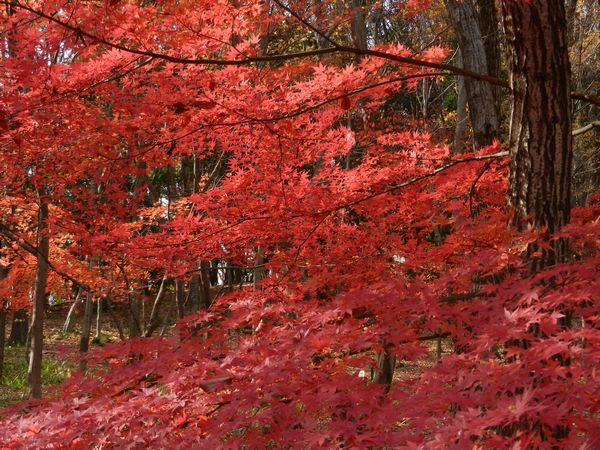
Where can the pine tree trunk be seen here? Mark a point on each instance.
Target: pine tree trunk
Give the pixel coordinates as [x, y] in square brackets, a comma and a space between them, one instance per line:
[540, 124]
[540, 139]
[36, 330]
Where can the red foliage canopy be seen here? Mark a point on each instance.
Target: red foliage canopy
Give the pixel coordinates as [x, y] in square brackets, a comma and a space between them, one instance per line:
[97, 97]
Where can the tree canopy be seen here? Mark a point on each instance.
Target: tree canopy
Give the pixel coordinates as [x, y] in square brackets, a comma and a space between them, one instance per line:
[287, 179]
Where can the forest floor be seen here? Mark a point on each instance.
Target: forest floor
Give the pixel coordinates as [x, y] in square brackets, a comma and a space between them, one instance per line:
[60, 353]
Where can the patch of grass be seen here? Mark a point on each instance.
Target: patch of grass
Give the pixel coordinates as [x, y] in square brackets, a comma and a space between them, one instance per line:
[13, 387]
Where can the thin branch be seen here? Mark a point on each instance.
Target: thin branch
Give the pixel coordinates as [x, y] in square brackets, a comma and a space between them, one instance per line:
[306, 23]
[586, 128]
[283, 57]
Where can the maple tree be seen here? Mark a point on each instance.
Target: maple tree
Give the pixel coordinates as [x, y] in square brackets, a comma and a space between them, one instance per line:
[141, 142]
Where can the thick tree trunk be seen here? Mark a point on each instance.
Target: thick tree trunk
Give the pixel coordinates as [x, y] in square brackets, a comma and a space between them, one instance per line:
[540, 127]
[540, 124]
[36, 330]
[480, 96]
[18, 329]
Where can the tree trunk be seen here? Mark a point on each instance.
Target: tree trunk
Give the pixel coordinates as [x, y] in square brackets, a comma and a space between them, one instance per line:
[84, 338]
[36, 330]
[480, 96]
[193, 296]
[205, 300]
[114, 318]
[2, 339]
[180, 297]
[153, 322]
[68, 325]
[460, 131]
[18, 329]
[540, 125]
[259, 269]
[98, 319]
[134, 318]
[386, 363]
[490, 32]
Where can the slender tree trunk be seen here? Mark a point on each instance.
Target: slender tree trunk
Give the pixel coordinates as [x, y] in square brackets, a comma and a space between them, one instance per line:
[205, 300]
[167, 317]
[193, 296]
[490, 32]
[480, 97]
[114, 318]
[386, 363]
[180, 297]
[68, 325]
[134, 317]
[3, 311]
[86, 325]
[460, 131]
[2, 339]
[36, 330]
[259, 270]
[153, 322]
[98, 318]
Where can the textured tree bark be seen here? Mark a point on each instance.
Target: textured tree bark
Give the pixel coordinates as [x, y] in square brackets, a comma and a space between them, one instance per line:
[540, 139]
[480, 96]
[540, 125]
[36, 330]
[490, 32]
